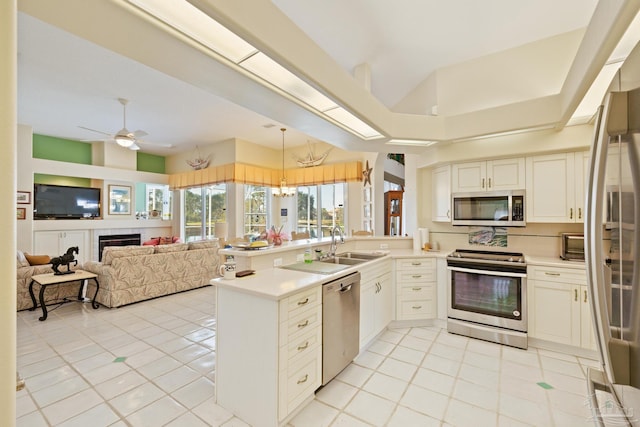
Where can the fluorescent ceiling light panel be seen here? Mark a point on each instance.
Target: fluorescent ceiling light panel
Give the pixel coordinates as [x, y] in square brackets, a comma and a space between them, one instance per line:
[268, 69]
[189, 20]
[344, 117]
[418, 142]
[594, 96]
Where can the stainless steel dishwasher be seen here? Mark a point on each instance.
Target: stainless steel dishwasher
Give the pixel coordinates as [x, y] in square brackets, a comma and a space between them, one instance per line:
[340, 324]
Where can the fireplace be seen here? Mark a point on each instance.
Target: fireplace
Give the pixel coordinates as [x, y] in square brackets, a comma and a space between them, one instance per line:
[117, 240]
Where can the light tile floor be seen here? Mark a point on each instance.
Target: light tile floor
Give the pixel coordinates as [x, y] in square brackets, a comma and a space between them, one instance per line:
[152, 364]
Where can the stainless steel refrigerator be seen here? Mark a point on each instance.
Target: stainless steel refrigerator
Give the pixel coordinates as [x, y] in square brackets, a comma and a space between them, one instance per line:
[612, 250]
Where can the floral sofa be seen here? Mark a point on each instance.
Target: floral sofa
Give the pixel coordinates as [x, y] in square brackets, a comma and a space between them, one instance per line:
[53, 294]
[129, 274]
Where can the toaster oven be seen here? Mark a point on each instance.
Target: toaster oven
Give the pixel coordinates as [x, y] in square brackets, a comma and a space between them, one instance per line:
[572, 246]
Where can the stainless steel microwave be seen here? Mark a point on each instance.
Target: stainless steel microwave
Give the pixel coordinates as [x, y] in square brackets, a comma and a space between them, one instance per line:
[489, 208]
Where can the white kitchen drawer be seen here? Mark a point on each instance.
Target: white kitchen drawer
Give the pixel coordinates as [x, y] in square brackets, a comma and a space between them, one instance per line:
[415, 264]
[404, 277]
[297, 303]
[300, 347]
[300, 324]
[418, 291]
[300, 382]
[557, 274]
[417, 309]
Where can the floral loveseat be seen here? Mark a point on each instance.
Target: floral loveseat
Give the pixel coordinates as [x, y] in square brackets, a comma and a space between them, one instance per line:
[129, 274]
[25, 271]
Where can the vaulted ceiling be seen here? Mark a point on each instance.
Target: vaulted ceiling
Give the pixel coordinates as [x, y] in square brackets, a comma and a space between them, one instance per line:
[420, 70]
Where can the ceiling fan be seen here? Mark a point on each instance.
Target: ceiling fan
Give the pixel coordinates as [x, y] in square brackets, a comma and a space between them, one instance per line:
[124, 137]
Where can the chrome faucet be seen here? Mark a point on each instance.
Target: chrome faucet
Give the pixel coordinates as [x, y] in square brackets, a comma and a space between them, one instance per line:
[332, 249]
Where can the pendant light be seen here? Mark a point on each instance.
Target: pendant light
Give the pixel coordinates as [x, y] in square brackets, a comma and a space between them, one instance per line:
[283, 190]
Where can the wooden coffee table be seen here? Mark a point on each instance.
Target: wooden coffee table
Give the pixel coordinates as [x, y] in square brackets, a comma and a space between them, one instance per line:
[50, 279]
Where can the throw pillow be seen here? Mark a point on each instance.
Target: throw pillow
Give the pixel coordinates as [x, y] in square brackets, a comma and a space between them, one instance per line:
[152, 242]
[22, 260]
[38, 259]
[166, 240]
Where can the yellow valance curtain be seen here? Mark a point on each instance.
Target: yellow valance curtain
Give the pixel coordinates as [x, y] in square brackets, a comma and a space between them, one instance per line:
[257, 175]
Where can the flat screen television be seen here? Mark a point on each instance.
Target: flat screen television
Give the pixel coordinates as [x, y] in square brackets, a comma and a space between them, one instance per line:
[63, 202]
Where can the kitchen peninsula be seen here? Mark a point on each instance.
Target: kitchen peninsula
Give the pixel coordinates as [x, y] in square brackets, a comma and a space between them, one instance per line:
[269, 324]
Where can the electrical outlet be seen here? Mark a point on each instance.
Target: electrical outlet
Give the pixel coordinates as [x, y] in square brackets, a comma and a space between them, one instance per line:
[300, 257]
[277, 262]
[384, 246]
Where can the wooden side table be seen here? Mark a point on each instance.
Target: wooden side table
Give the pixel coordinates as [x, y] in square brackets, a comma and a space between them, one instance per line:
[49, 279]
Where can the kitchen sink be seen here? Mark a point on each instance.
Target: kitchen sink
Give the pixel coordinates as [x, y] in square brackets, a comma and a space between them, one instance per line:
[359, 255]
[343, 260]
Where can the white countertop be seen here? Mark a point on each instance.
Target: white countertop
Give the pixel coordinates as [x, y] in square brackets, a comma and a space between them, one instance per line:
[554, 262]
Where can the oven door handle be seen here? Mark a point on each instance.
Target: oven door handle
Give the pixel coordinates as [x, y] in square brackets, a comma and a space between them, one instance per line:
[489, 272]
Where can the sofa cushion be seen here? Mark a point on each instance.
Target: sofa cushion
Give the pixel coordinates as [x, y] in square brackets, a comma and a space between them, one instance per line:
[203, 244]
[111, 252]
[22, 260]
[173, 247]
[38, 259]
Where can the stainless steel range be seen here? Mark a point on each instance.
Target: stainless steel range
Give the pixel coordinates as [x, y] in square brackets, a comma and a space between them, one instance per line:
[487, 296]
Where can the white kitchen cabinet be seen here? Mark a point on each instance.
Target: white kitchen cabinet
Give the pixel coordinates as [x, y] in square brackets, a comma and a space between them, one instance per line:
[490, 175]
[559, 307]
[555, 187]
[56, 243]
[416, 288]
[376, 300]
[441, 194]
[268, 354]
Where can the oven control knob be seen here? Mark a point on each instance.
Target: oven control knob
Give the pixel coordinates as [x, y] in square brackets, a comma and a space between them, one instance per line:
[516, 313]
[510, 259]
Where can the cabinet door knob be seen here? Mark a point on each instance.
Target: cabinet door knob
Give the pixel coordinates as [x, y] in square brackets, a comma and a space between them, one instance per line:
[482, 182]
[303, 346]
[570, 213]
[304, 301]
[551, 274]
[417, 276]
[303, 379]
[303, 324]
[417, 307]
[448, 213]
[585, 295]
[416, 263]
[575, 295]
[489, 182]
[416, 289]
[579, 213]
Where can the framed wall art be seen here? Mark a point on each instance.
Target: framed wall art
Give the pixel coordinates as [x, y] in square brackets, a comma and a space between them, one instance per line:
[23, 197]
[119, 200]
[21, 213]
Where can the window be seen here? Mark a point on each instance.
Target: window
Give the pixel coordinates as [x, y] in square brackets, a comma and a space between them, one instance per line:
[256, 208]
[158, 201]
[320, 208]
[203, 207]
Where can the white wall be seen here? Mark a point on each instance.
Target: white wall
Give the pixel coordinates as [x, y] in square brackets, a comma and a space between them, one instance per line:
[8, 170]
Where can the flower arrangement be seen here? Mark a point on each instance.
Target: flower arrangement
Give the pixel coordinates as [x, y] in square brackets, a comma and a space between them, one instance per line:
[276, 235]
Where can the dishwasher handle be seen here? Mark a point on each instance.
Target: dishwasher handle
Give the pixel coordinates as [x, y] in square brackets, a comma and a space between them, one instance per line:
[345, 288]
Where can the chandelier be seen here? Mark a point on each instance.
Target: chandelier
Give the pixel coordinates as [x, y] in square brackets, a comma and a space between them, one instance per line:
[283, 190]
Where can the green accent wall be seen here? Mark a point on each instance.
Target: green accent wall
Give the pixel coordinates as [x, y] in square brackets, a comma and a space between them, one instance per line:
[149, 163]
[63, 150]
[40, 178]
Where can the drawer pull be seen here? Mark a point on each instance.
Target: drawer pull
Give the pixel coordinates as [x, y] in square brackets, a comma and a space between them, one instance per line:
[416, 263]
[417, 307]
[304, 379]
[551, 274]
[585, 296]
[304, 301]
[575, 295]
[416, 289]
[303, 346]
[303, 324]
[416, 276]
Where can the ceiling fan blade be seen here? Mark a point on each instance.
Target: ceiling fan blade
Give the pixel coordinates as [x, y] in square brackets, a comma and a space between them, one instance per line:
[154, 144]
[139, 133]
[97, 131]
